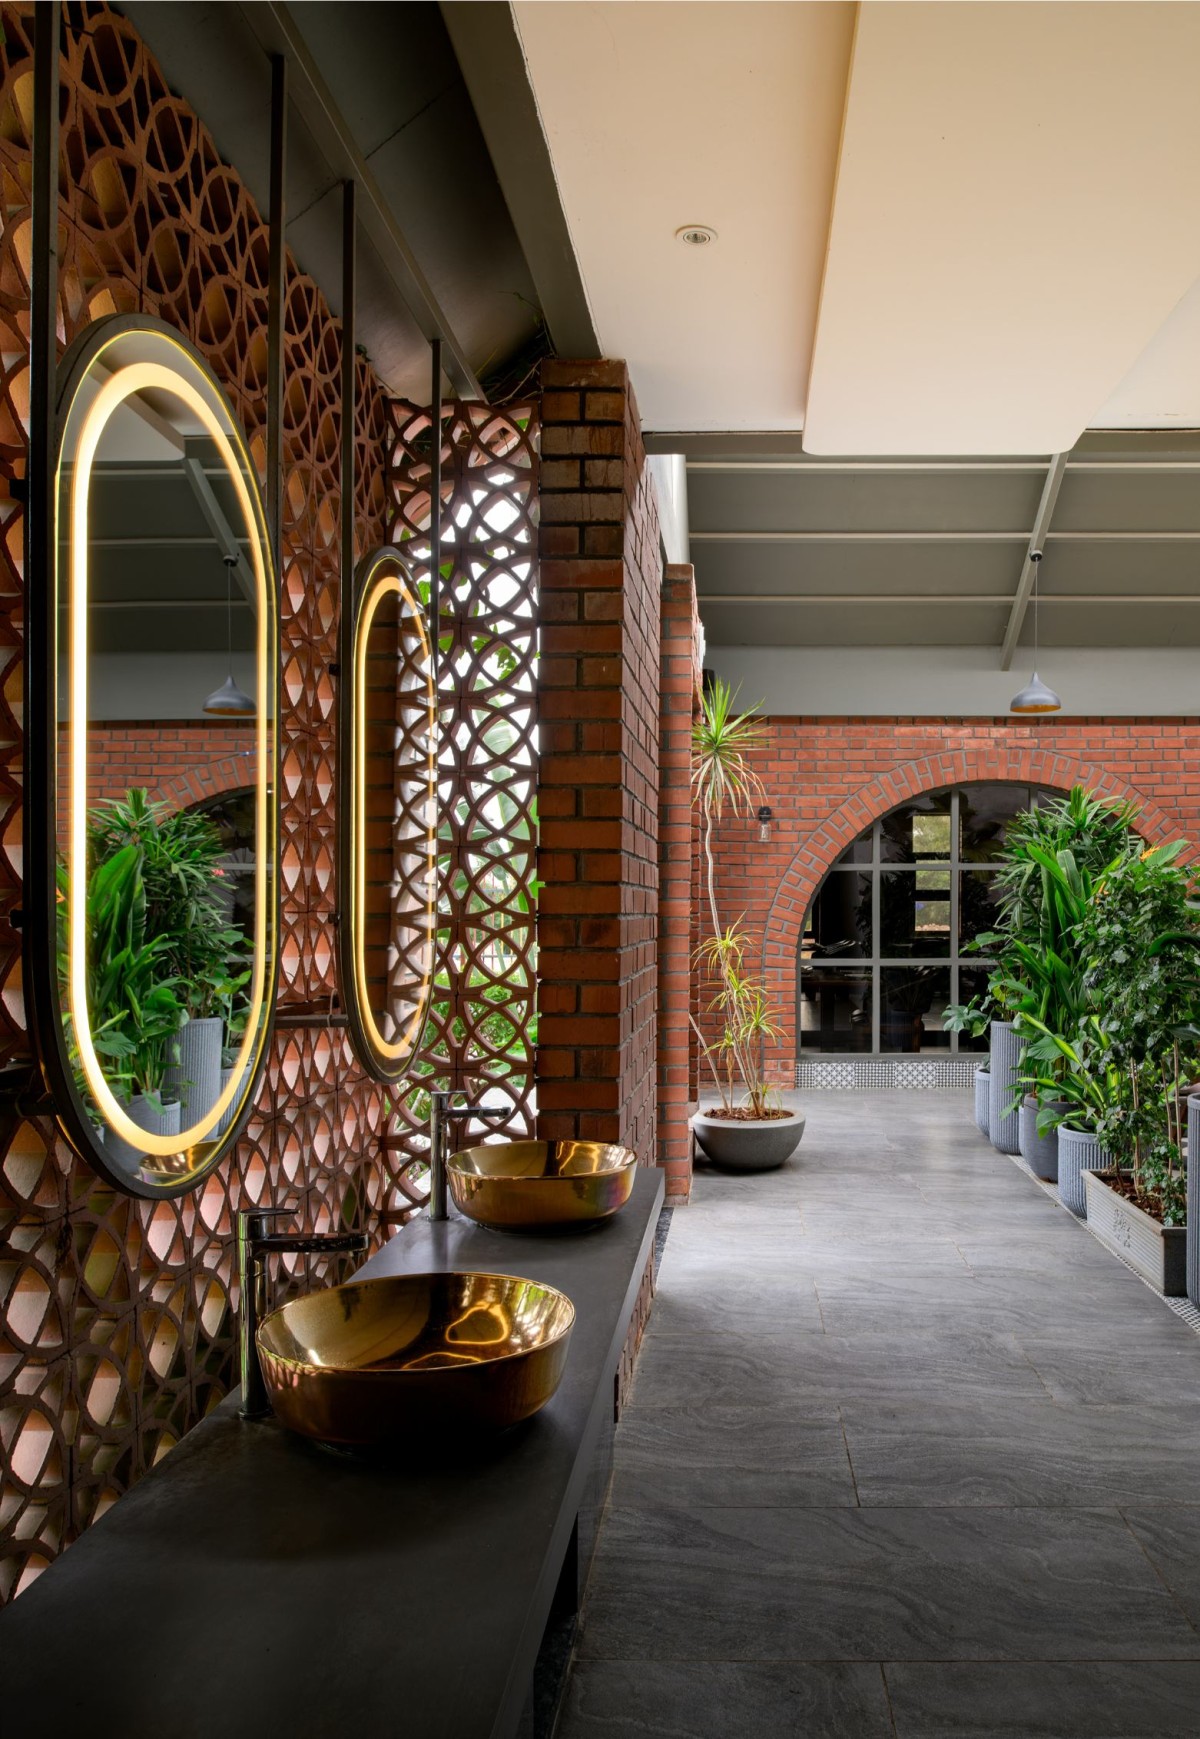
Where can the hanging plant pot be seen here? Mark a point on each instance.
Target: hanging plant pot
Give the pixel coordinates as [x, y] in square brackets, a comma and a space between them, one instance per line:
[1040, 1152]
[1004, 1126]
[1078, 1152]
[983, 1098]
[1157, 1252]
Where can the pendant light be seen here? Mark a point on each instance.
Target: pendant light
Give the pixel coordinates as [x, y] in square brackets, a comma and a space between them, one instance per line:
[1035, 697]
[229, 701]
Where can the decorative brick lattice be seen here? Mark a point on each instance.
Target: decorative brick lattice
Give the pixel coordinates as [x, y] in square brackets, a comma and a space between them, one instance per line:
[481, 1034]
[887, 1074]
[118, 1313]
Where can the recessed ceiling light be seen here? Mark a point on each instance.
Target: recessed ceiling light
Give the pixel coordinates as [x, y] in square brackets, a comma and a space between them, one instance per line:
[696, 235]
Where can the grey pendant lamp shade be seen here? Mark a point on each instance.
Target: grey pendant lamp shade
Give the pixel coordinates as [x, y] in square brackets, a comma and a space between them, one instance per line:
[1035, 697]
[229, 701]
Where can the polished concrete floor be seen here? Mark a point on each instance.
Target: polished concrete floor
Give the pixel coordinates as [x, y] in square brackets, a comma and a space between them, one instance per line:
[908, 1454]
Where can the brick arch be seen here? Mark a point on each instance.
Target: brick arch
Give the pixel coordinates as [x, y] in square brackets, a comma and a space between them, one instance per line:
[200, 784]
[1002, 765]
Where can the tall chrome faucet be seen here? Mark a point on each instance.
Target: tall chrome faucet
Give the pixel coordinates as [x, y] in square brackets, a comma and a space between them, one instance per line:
[441, 1112]
[255, 1243]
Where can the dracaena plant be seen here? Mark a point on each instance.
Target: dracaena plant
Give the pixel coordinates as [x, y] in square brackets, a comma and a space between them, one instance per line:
[724, 782]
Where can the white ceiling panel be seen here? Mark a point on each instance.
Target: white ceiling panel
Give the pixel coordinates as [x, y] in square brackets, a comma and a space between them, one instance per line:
[1017, 213]
[660, 115]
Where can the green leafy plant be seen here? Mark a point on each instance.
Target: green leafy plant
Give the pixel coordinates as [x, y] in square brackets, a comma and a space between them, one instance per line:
[1054, 855]
[185, 909]
[133, 1005]
[724, 783]
[1140, 941]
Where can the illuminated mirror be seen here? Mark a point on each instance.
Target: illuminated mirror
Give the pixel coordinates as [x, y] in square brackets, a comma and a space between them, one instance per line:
[165, 662]
[388, 808]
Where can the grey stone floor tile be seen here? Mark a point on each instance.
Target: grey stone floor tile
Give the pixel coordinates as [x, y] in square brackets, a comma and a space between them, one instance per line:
[756, 1369]
[792, 1455]
[1063, 1700]
[725, 1700]
[1013, 1451]
[1161, 1357]
[863, 1584]
[1171, 1539]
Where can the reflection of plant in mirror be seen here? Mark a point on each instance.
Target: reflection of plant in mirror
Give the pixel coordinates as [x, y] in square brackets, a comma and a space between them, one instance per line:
[185, 906]
[133, 1006]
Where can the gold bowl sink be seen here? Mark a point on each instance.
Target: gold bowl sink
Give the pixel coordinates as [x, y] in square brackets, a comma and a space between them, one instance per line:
[388, 1360]
[531, 1185]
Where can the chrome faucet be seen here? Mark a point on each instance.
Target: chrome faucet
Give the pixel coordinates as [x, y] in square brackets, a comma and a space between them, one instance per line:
[254, 1244]
[442, 1112]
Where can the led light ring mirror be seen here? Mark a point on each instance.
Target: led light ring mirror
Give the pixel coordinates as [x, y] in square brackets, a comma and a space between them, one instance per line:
[178, 373]
[384, 575]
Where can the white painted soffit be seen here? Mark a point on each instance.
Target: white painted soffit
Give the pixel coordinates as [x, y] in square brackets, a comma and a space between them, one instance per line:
[663, 113]
[1017, 213]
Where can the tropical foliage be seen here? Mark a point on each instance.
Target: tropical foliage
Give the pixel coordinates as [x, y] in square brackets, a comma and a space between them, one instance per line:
[1096, 958]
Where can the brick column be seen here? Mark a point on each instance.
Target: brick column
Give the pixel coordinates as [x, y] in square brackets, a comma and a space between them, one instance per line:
[680, 689]
[598, 678]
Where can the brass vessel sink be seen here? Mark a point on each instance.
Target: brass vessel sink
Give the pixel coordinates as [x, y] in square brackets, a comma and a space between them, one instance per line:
[380, 1361]
[526, 1185]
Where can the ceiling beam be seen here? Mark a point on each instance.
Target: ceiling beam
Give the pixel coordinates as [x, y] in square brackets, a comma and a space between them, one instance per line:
[1029, 567]
[278, 33]
[214, 518]
[492, 61]
[953, 599]
[858, 536]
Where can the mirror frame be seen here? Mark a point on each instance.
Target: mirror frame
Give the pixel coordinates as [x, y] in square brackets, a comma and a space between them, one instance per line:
[384, 570]
[41, 772]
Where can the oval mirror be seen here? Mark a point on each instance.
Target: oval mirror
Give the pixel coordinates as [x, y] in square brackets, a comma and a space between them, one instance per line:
[165, 661]
[387, 767]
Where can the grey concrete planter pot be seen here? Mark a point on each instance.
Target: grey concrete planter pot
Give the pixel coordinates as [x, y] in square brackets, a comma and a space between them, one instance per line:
[195, 1080]
[230, 1112]
[983, 1099]
[149, 1113]
[1157, 1253]
[1193, 1200]
[739, 1146]
[1078, 1152]
[1004, 1126]
[1040, 1152]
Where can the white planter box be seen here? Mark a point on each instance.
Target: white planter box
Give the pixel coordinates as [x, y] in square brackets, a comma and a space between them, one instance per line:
[1157, 1253]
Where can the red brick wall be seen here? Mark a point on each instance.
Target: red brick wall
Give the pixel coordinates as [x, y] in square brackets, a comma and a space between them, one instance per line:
[598, 679]
[827, 779]
[179, 764]
[679, 691]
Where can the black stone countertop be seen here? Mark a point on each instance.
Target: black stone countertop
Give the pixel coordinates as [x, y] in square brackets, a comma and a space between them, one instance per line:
[257, 1584]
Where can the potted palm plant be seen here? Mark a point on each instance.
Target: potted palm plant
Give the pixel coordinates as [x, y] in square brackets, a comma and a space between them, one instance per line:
[747, 1129]
[1139, 933]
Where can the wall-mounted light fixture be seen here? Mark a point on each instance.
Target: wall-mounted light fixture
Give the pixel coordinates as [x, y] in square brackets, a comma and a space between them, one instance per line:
[764, 822]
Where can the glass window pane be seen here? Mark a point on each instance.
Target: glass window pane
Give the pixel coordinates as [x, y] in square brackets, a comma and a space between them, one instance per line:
[911, 1002]
[859, 851]
[978, 904]
[918, 832]
[839, 919]
[984, 814]
[835, 1007]
[914, 913]
[972, 982]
